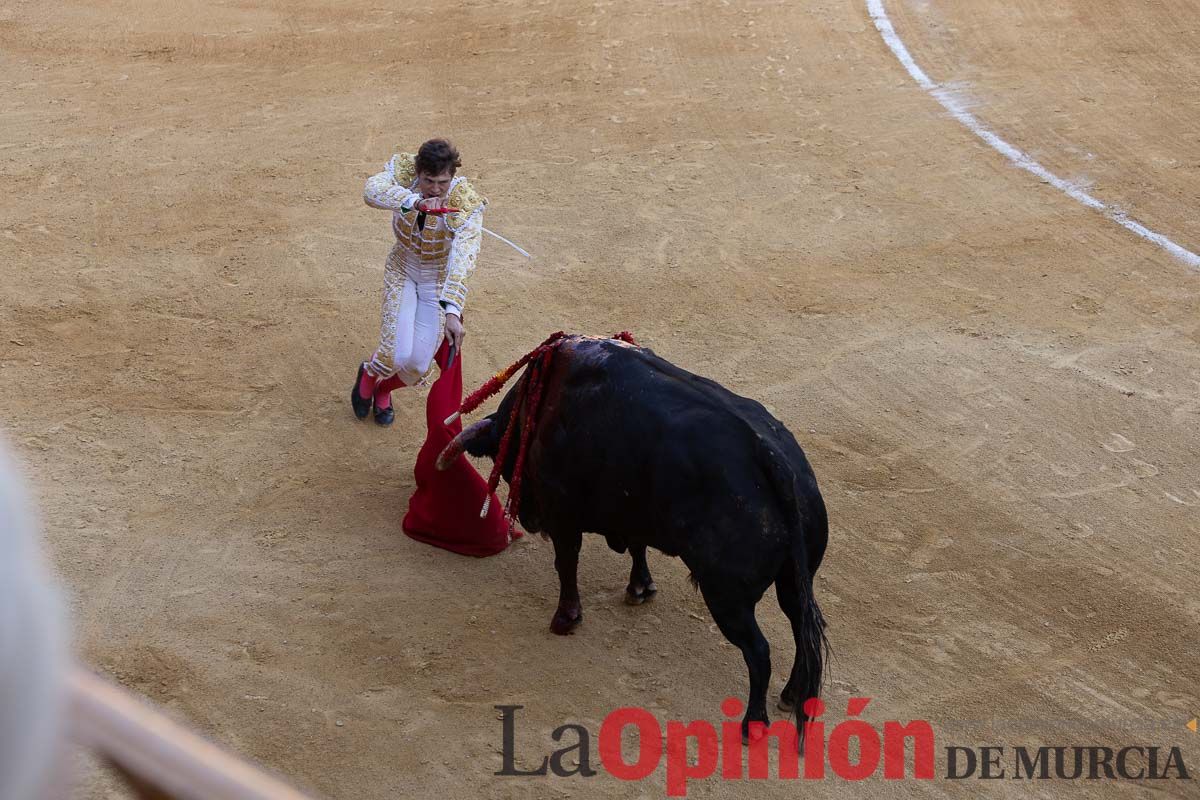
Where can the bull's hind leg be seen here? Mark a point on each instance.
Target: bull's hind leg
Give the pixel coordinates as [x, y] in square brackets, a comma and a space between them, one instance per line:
[641, 586]
[733, 611]
[566, 562]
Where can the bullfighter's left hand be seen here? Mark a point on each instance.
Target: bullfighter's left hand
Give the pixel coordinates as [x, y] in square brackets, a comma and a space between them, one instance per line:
[455, 332]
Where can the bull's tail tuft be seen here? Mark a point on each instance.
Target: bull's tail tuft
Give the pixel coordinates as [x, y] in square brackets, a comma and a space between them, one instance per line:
[802, 522]
[811, 644]
[812, 648]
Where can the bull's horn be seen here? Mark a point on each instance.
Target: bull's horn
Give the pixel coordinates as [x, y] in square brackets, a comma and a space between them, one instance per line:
[459, 443]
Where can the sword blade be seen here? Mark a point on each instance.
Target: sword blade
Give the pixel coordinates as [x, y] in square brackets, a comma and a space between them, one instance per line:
[507, 242]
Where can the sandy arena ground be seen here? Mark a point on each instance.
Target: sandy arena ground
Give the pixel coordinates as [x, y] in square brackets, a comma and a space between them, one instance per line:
[998, 387]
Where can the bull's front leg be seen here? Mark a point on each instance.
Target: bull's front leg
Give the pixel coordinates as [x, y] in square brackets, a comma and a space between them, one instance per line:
[641, 586]
[566, 562]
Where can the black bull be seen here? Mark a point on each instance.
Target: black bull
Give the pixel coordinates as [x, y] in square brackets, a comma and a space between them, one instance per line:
[631, 447]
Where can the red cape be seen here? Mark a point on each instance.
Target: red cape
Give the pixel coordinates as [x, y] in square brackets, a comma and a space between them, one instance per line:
[444, 509]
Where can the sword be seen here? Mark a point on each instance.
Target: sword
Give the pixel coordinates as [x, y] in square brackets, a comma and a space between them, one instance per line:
[451, 210]
[507, 242]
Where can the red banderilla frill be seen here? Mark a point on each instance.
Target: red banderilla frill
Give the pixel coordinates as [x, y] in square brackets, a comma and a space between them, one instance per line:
[529, 400]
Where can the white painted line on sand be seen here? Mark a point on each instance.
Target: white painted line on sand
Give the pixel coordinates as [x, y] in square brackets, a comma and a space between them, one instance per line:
[945, 95]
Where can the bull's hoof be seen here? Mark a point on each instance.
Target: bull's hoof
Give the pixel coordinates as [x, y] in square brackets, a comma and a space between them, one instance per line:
[636, 595]
[753, 734]
[563, 623]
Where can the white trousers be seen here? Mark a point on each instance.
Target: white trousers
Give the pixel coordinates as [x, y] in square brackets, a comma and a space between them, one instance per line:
[413, 322]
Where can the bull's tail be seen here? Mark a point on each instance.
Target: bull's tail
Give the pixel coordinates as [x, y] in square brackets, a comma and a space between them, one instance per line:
[808, 530]
[812, 646]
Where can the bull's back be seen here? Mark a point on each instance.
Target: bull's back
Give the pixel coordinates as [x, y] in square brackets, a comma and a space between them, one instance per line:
[652, 452]
[648, 391]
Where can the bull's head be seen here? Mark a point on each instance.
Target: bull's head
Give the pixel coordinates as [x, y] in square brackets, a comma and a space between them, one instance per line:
[483, 438]
[479, 439]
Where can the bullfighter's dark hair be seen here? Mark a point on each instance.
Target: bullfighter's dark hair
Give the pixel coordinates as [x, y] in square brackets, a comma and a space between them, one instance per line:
[437, 156]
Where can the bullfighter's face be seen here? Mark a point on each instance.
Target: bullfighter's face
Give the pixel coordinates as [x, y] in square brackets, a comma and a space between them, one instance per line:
[430, 185]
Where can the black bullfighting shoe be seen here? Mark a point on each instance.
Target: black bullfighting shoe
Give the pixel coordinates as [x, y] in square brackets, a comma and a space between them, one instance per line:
[384, 416]
[362, 405]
